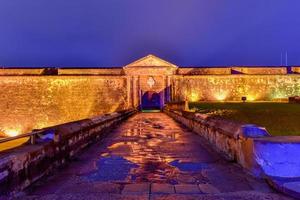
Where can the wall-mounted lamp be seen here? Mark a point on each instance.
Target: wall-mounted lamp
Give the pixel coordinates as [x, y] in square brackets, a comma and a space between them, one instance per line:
[244, 99]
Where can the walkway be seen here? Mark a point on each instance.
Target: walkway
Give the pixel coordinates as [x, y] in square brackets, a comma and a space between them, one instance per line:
[150, 156]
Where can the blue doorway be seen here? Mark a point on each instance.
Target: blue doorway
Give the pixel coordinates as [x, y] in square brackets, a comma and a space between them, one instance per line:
[151, 101]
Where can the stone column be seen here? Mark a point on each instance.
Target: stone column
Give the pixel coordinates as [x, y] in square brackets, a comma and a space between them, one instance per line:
[129, 96]
[139, 93]
[134, 92]
[172, 89]
[163, 96]
[168, 99]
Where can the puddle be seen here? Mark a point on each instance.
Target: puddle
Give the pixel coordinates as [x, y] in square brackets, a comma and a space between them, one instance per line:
[189, 166]
[113, 168]
[148, 155]
[155, 171]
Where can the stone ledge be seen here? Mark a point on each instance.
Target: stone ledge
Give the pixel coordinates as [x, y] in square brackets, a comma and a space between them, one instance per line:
[252, 147]
[21, 166]
[289, 186]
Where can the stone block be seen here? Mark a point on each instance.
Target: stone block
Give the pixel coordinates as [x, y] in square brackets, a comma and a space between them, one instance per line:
[107, 187]
[162, 188]
[187, 189]
[138, 188]
[208, 189]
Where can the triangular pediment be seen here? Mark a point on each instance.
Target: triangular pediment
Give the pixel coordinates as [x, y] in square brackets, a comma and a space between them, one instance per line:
[150, 61]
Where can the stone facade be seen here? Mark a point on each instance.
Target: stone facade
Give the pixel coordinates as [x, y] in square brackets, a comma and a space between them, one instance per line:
[234, 87]
[36, 98]
[33, 102]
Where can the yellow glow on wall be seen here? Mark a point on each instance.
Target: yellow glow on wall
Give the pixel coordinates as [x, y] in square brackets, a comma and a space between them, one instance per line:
[12, 132]
[36, 102]
[251, 97]
[194, 97]
[221, 96]
[278, 94]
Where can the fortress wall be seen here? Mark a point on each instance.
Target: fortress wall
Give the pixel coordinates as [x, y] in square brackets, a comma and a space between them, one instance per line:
[204, 71]
[233, 87]
[103, 71]
[31, 102]
[260, 70]
[21, 71]
[233, 70]
[296, 70]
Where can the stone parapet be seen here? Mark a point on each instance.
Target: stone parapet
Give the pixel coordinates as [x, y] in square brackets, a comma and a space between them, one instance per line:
[295, 99]
[88, 71]
[296, 70]
[55, 146]
[20, 72]
[204, 71]
[274, 158]
[259, 70]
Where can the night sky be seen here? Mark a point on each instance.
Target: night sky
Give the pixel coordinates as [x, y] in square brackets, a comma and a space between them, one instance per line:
[104, 33]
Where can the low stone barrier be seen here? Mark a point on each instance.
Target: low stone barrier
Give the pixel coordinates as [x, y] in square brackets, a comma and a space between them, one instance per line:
[295, 99]
[275, 158]
[56, 145]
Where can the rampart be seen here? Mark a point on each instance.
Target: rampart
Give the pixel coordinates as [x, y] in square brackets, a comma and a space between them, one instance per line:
[55, 146]
[33, 102]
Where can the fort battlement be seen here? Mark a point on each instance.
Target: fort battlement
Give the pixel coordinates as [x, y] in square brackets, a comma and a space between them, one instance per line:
[39, 97]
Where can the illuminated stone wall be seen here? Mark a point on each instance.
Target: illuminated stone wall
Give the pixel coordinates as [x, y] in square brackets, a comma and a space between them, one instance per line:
[29, 102]
[204, 71]
[31, 99]
[259, 70]
[87, 71]
[233, 87]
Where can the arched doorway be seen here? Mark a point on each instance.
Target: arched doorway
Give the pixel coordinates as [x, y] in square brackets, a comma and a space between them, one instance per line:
[151, 101]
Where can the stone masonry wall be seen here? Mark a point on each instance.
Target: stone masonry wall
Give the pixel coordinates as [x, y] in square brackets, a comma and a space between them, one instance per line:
[233, 87]
[32, 102]
[22, 166]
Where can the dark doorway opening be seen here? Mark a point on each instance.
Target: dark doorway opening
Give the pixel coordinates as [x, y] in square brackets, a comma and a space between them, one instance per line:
[151, 101]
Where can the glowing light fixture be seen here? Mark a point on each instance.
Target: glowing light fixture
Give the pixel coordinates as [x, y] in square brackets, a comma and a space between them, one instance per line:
[12, 132]
[244, 99]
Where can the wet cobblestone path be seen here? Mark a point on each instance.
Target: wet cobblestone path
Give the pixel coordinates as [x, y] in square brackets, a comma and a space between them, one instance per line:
[150, 156]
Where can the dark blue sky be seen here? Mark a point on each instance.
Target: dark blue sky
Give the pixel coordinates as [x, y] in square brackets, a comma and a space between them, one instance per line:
[116, 32]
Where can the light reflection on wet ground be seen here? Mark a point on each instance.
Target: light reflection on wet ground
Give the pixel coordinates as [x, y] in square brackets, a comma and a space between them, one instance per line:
[152, 149]
[148, 149]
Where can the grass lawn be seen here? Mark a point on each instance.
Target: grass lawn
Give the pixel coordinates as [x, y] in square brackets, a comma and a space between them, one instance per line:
[277, 118]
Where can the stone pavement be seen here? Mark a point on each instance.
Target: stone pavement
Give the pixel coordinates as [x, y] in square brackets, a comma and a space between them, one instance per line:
[150, 156]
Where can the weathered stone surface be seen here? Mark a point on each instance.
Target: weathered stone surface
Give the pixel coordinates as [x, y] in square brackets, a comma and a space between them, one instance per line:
[34, 102]
[162, 152]
[233, 87]
[185, 197]
[24, 165]
[187, 189]
[136, 188]
[162, 188]
[278, 156]
[290, 186]
[264, 156]
[222, 196]
[90, 196]
[208, 189]
[294, 186]
[259, 185]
